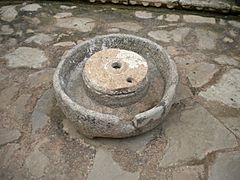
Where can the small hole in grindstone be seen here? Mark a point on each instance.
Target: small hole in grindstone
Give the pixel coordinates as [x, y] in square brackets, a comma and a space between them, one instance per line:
[129, 80]
[116, 65]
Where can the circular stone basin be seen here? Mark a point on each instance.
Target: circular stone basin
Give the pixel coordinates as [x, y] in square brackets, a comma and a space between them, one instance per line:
[115, 85]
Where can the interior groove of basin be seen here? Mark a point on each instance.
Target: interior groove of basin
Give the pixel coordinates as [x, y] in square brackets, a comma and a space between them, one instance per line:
[97, 124]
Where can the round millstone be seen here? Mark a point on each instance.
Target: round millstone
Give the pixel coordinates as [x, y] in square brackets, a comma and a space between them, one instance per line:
[115, 73]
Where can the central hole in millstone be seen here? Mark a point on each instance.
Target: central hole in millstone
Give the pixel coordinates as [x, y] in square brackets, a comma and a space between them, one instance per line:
[116, 65]
[129, 80]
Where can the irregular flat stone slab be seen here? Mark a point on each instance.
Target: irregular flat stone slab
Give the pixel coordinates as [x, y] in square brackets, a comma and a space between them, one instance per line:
[6, 30]
[68, 7]
[8, 135]
[36, 162]
[226, 91]
[26, 57]
[193, 136]
[41, 78]
[172, 17]
[40, 39]
[226, 60]
[235, 23]
[143, 14]
[7, 152]
[113, 30]
[65, 44]
[177, 35]
[8, 13]
[80, 24]
[206, 39]
[226, 166]
[7, 94]
[63, 15]
[232, 123]
[31, 7]
[198, 19]
[107, 169]
[128, 26]
[40, 116]
[18, 108]
[201, 74]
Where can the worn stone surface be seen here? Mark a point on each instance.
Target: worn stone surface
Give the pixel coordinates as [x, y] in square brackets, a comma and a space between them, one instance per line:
[36, 162]
[206, 39]
[7, 94]
[26, 57]
[234, 23]
[41, 78]
[172, 17]
[226, 60]
[107, 169]
[80, 24]
[6, 30]
[202, 74]
[143, 14]
[7, 152]
[40, 115]
[177, 35]
[188, 173]
[232, 123]
[67, 7]
[8, 135]
[225, 166]
[198, 19]
[62, 15]
[40, 39]
[226, 91]
[31, 7]
[128, 26]
[65, 44]
[193, 135]
[8, 13]
[18, 109]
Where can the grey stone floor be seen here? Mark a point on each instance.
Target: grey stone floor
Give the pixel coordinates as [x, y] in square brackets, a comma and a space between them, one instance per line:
[199, 139]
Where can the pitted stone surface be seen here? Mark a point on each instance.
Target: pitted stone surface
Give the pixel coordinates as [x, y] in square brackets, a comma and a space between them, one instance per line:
[115, 71]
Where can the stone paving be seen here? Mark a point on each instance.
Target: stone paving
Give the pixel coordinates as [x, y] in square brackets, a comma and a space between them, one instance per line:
[223, 6]
[198, 140]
